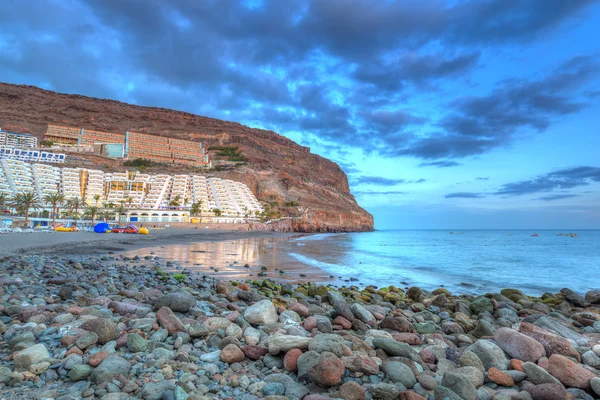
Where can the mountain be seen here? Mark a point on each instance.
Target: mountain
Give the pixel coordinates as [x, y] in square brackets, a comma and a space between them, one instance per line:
[277, 169]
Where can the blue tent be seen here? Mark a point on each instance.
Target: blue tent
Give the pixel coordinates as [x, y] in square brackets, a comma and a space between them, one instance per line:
[102, 227]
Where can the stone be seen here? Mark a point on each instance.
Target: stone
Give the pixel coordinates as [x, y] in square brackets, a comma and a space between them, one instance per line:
[398, 324]
[156, 390]
[443, 393]
[261, 313]
[86, 340]
[594, 382]
[553, 343]
[460, 384]
[481, 304]
[352, 391]
[169, 321]
[110, 367]
[399, 372]
[284, 343]
[136, 343]
[254, 352]
[251, 335]
[490, 354]
[327, 371]
[427, 381]
[576, 299]
[590, 358]
[5, 374]
[548, 391]
[362, 313]
[80, 372]
[560, 329]
[537, 374]
[39, 368]
[394, 348]
[104, 328]
[273, 389]
[300, 309]
[290, 360]
[593, 297]
[96, 358]
[232, 354]
[361, 363]
[518, 345]
[340, 306]
[177, 302]
[198, 330]
[499, 377]
[384, 391]
[569, 373]
[329, 342]
[305, 362]
[31, 355]
[474, 375]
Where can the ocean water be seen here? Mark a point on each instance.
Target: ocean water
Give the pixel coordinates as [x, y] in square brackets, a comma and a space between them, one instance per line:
[472, 262]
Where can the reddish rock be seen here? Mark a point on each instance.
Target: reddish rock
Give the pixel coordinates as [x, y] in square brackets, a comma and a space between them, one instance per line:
[254, 352]
[169, 321]
[310, 323]
[548, 391]
[553, 344]
[67, 340]
[352, 391]
[122, 341]
[499, 377]
[516, 364]
[327, 371]
[427, 356]
[103, 327]
[399, 324]
[361, 363]
[343, 322]
[408, 338]
[290, 360]
[75, 310]
[569, 373]
[123, 308]
[74, 350]
[233, 316]
[232, 354]
[96, 358]
[410, 395]
[519, 346]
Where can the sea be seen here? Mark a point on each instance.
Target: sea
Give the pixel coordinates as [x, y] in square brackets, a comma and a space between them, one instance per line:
[464, 262]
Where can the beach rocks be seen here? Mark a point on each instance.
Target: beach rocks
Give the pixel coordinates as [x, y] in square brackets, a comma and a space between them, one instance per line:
[104, 328]
[284, 343]
[177, 302]
[169, 321]
[232, 354]
[35, 354]
[399, 372]
[569, 373]
[519, 346]
[339, 304]
[109, 368]
[327, 370]
[490, 354]
[261, 313]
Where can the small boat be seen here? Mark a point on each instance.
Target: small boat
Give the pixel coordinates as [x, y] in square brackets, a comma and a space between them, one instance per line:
[535, 235]
[452, 233]
[63, 228]
[143, 231]
[560, 234]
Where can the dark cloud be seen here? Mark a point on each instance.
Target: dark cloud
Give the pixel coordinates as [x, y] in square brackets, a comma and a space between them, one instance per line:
[464, 195]
[482, 178]
[568, 178]
[557, 197]
[440, 164]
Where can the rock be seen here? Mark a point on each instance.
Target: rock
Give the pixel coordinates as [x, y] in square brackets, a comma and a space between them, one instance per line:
[86, 340]
[499, 377]
[362, 313]
[339, 304]
[553, 343]
[110, 367]
[594, 382]
[352, 391]
[198, 330]
[460, 384]
[519, 346]
[427, 381]
[261, 313]
[574, 298]
[490, 354]
[136, 343]
[474, 375]
[5, 374]
[569, 373]
[481, 304]
[300, 309]
[177, 302]
[590, 358]
[399, 324]
[361, 363]
[254, 352]
[384, 391]
[399, 372]
[273, 389]
[327, 371]
[443, 393]
[80, 372]
[96, 358]
[104, 328]
[593, 297]
[560, 329]
[284, 343]
[31, 355]
[232, 354]
[169, 321]
[329, 342]
[290, 360]
[305, 362]
[537, 374]
[39, 368]
[548, 391]
[394, 348]
[156, 390]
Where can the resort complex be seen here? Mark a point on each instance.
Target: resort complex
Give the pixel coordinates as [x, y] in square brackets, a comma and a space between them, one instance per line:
[144, 197]
[24, 147]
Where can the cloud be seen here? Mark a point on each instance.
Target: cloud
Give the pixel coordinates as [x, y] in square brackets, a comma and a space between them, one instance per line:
[482, 178]
[568, 178]
[377, 193]
[557, 197]
[377, 180]
[464, 195]
[440, 164]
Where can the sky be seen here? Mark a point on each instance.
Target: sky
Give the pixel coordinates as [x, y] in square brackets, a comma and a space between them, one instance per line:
[444, 114]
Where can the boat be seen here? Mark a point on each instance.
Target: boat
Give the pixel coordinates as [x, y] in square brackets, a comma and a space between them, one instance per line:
[560, 234]
[535, 235]
[143, 231]
[63, 228]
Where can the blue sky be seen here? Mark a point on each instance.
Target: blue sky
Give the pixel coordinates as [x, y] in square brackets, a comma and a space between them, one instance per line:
[444, 114]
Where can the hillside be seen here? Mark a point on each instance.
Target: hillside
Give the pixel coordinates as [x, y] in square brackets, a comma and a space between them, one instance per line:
[277, 169]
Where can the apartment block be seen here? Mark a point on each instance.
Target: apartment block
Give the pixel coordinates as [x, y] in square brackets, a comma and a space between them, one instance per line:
[62, 134]
[31, 155]
[18, 140]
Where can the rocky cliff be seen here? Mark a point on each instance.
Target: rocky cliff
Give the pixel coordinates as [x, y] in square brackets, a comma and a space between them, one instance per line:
[278, 169]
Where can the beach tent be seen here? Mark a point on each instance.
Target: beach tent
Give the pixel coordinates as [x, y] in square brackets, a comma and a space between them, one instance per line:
[102, 227]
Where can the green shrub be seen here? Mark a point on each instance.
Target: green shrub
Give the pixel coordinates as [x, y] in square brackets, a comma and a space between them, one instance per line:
[179, 277]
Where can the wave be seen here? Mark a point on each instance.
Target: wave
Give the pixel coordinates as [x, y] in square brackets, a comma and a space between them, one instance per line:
[329, 267]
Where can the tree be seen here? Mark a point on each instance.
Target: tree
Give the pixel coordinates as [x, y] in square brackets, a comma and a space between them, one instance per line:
[54, 199]
[120, 211]
[97, 198]
[106, 215]
[26, 201]
[74, 204]
[111, 205]
[217, 212]
[175, 201]
[196, 208]
[4, 201]
[91, 212]
[129, 201]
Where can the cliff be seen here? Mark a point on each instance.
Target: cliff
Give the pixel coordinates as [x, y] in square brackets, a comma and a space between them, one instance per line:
[278, 169]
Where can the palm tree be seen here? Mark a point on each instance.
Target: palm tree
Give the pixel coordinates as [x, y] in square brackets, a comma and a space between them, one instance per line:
[97, 198]
[91, 212]
[106, 215]
[217, 212]
[196, 208]
[4, 201]
[54, 199]
[175, 201]
[121, 210]
[129, 201]
[111, 205]
[74, 204]
[25, 201]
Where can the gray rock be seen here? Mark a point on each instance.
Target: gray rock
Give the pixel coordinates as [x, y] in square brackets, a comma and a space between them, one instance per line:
[296, 391]
[384, 391]
[110, 367]
[177, 302]
[590, 358]
[561, 329]
[80, 372]
[574, 298]
[136, 343]
[86, 340]
[198, 330]
[5, 374]
[538, 375]
[362, 313]
[481, 304]
[273, 389]
[283, 343]
[155, 390]
[32, 355]
[261, 313]
[474, 375]
[339, 304]
[104, 328]
[394, 348]
[484, 328]
[273, 361]
[490, 354]
[460, 384]
[594, 382]
[399, 372]
[305, 362]
[328, 342]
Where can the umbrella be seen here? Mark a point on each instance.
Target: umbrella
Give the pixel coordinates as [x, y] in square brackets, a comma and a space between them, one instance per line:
[102, 227]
